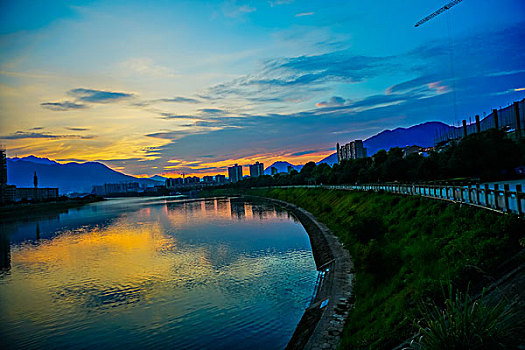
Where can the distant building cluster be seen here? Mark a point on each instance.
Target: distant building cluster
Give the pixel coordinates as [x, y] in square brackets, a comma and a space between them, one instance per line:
[11, 193]
[235, 171]
[111, 188]
[192, 181]
[352, 150]
[174, 182]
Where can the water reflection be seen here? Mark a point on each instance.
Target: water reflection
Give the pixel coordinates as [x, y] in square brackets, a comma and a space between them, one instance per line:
[5, 249]
[159, 272]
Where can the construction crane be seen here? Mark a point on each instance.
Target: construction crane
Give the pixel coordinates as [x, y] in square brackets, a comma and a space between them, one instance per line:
[435, 13]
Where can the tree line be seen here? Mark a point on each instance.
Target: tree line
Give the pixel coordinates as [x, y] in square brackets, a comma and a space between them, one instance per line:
[487, 156]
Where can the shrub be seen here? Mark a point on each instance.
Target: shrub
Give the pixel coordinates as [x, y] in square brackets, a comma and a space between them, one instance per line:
[467, 323]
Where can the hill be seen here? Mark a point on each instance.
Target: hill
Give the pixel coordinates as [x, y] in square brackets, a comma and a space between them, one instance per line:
[282, 167]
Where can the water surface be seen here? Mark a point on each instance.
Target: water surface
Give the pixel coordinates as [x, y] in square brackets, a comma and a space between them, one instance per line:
[143, 273]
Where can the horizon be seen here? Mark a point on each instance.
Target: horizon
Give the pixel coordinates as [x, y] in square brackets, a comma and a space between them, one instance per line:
[246, 167]
[196, 87]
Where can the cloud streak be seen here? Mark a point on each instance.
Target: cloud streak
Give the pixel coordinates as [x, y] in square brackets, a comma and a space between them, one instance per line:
[63, 106]
[334, 101]
[179, 99]
[99, 96]
[18, 135]
[76, 129]
[303, 14]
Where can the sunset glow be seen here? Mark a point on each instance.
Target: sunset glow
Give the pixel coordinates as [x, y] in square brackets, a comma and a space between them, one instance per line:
[137, 86]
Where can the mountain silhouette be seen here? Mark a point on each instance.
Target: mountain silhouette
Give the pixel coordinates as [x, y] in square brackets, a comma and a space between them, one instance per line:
[282, 167]
[69, 177]
[422, 135]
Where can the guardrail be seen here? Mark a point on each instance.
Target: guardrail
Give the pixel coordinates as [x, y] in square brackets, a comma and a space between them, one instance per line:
[488, 196]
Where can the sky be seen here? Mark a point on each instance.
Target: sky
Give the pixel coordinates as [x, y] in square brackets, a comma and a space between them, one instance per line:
[171, 87]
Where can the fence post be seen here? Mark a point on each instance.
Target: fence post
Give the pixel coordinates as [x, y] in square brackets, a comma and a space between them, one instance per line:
[517, 115]
[496, 194]
[506, 193]
[487, 196]
[464, 128]
[496, 121]
[478, 126]
[477, 194]
[518, 199]
[468, 193]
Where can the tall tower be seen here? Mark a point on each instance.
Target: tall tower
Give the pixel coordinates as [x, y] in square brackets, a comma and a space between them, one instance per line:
[338, 153]
[35, 180]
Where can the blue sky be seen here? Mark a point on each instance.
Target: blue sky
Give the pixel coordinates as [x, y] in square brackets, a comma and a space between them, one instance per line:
[195, 86]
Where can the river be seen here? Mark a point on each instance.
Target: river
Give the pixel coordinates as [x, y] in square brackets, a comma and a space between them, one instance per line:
[150, 273]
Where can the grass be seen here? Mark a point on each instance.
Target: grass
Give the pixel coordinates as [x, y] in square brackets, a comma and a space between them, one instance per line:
[468, 323]
[404, 249]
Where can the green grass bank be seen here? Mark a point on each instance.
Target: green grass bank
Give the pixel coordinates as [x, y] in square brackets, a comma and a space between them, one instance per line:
[405, 249]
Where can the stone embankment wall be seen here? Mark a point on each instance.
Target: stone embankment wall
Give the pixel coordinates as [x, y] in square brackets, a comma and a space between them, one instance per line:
[322, 323]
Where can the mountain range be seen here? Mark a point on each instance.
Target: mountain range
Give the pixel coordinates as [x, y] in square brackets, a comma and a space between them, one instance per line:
[422, 135]
[69, 177]
[81, 177]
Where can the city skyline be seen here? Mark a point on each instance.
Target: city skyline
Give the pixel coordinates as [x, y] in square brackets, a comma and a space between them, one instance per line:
[196, 87]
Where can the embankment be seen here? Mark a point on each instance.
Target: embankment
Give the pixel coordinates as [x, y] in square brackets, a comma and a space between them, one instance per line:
[404, 250]
[322, 323]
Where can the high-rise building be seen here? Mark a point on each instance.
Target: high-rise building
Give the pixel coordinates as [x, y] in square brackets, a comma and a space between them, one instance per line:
[220, 178]
[256, 169]
[352, 150]
[235, 173]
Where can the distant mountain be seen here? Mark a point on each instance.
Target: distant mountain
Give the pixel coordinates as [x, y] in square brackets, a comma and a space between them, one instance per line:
[158, 178]
[70, 177]
[282, 167]
[421, 135]
[34, 159]
[330, 160]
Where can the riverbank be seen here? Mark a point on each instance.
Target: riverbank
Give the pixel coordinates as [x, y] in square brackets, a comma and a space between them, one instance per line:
[405, 251]
[322, 323]
[28, 210]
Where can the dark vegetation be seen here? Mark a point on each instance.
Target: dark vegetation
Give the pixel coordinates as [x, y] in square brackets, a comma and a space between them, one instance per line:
[490, 155]
[26, 209]
[471, 323]
[404, 250]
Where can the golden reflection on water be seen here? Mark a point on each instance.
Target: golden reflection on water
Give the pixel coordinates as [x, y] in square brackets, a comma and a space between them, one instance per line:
[136, 258]
[131, 254]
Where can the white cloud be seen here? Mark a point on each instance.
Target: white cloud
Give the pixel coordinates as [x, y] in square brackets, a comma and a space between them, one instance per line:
[303, 14]
[233, 10]
[146, 66]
